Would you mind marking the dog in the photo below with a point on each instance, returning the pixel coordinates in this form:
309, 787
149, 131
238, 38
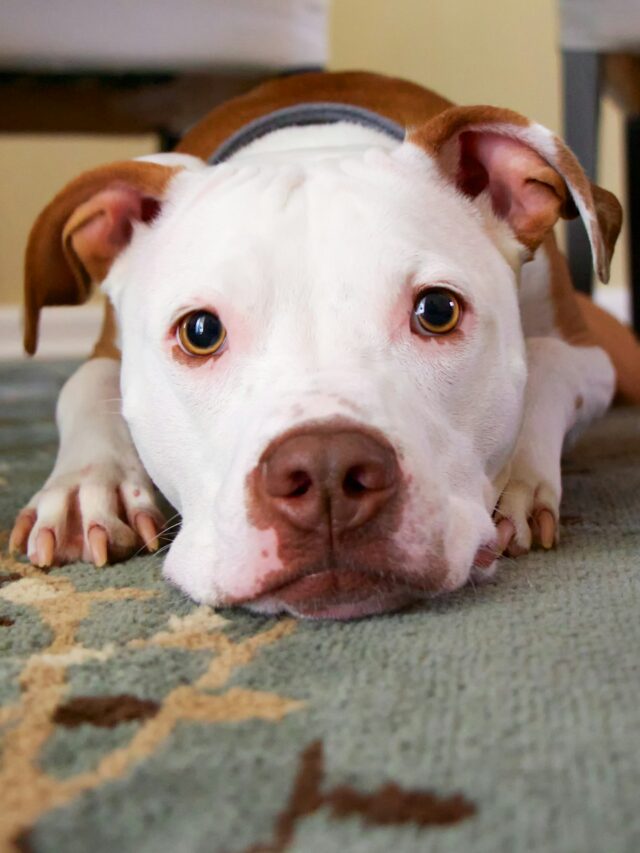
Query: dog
340, 339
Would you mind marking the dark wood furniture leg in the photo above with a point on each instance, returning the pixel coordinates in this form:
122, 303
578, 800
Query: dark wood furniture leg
633, 213
581, 87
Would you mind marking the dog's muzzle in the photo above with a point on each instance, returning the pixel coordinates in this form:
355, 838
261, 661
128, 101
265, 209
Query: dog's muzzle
333, 494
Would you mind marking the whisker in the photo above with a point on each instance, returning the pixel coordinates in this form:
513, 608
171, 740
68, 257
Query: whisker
162, 550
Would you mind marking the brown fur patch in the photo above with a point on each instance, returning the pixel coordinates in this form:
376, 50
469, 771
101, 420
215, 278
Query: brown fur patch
106, 712
451, 124
6, 622
406, 103
583, 323
620, 344
441, 129
609, 215
599, 202
53, 276
9, 578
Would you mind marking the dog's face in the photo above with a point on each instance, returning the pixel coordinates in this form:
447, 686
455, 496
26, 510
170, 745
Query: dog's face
336, 452
323, 365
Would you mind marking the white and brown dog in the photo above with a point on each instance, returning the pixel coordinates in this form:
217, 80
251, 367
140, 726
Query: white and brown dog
347, 348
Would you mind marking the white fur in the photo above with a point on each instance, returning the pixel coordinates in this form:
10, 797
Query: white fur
536, 306
568, 387
311, 247
314, 269
97, 466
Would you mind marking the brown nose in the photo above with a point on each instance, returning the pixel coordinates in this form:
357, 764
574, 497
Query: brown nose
340, 478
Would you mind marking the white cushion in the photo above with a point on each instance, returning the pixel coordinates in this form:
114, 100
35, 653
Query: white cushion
600, 25
158, 35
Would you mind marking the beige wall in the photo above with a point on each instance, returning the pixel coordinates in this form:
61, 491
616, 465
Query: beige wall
496, 51
501, 52
32, 170
472, 51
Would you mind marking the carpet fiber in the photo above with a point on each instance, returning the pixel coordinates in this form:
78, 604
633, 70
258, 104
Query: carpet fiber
504, 718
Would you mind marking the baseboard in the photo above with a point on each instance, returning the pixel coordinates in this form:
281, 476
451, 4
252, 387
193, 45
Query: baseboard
66, 332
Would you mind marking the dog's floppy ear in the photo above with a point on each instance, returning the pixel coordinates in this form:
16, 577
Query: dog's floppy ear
531, 176
78, 235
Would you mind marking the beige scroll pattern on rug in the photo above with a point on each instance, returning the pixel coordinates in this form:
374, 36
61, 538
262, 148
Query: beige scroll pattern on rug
27, 791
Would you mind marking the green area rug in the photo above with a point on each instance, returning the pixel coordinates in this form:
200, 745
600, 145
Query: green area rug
503, 718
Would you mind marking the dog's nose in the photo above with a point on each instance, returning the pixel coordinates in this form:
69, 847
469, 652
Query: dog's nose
340, 478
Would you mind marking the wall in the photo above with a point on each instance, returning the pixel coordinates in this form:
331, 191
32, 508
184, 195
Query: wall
502, 52
497, 51
32, 170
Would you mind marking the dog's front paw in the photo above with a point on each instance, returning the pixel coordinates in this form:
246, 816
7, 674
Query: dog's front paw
99, 514
527, 513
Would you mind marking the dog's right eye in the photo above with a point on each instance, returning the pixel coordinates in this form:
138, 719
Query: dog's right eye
201, 333
437, 311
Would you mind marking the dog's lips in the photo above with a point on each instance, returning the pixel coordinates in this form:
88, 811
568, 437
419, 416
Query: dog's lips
339, 594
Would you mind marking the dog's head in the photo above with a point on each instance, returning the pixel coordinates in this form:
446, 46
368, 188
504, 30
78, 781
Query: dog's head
323, 364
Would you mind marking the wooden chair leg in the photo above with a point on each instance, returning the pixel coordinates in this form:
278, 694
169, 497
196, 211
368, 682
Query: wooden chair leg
633, 213
581, 85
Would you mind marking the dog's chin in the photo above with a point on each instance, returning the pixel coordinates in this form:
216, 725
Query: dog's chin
336, 594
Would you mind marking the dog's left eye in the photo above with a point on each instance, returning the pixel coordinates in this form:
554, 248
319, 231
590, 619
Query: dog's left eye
437, 311
201, 333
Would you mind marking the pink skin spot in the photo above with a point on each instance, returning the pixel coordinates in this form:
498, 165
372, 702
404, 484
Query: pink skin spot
136, 493
264, 553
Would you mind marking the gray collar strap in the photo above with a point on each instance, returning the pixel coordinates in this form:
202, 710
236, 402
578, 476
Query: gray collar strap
299, 116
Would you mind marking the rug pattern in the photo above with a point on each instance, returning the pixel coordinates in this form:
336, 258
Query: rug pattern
504, 718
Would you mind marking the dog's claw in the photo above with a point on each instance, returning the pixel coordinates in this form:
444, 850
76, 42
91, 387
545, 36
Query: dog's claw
515, 550
45, 548
20, 533
505, 530
546, 528
98, 545
146, 527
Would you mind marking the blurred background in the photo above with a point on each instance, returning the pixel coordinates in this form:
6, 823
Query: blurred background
503, 52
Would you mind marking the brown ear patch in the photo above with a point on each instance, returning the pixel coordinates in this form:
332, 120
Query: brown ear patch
441, 129
53, 274
609, 216
533, 181
524, 189
99, 229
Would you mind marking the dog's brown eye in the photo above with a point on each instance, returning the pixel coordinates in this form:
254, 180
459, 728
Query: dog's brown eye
201, 333
437, 311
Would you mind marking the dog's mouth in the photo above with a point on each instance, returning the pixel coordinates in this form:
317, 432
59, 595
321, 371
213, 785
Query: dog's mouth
336, 593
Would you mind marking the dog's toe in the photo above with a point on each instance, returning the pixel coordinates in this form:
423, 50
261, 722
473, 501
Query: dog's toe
527, 517
86, 516
21, 530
